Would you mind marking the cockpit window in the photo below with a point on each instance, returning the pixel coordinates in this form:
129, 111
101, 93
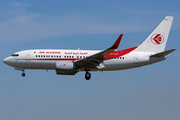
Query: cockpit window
15, 55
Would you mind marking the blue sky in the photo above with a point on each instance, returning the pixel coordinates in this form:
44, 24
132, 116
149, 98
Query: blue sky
150, 92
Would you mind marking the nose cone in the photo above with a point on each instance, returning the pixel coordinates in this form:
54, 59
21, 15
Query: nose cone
5, 61
8, 61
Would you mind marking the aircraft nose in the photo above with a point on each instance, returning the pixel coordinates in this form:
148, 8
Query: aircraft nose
9, 61
6, 61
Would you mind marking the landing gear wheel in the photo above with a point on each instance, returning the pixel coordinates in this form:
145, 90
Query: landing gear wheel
87, 76
23, 74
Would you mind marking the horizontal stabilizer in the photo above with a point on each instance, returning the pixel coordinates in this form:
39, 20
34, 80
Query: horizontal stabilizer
163, 53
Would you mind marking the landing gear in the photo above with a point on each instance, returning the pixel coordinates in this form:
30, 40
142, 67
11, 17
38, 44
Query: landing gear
23, 74
87, 75
21, 69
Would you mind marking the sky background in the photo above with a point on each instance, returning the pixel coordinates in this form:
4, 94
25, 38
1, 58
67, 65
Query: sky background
148, 93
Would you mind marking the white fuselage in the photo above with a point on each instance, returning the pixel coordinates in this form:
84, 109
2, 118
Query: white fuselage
47, 58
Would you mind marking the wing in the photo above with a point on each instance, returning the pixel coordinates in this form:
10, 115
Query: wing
94, 60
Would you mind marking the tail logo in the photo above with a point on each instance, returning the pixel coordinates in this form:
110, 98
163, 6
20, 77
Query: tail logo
157, 39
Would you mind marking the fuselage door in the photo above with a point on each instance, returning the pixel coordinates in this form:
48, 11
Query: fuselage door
28, 56
135, 58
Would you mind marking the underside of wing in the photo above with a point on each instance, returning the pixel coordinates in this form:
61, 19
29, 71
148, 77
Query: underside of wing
95, 60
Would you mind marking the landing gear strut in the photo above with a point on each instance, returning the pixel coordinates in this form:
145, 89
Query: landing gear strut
87, 75
21, 69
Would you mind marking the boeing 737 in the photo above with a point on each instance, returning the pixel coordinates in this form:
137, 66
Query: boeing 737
70, 62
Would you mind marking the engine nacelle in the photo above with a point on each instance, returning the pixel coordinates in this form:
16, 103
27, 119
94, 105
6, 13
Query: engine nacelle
65, 68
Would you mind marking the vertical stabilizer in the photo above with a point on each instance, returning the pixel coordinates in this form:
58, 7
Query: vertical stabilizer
156, 41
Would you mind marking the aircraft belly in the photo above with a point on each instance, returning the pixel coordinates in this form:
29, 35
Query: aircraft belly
23, 64
43, 64
118, 64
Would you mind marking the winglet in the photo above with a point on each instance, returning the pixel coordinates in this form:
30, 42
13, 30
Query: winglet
116, 44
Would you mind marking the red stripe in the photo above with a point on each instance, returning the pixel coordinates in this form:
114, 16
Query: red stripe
54, 59
120, 53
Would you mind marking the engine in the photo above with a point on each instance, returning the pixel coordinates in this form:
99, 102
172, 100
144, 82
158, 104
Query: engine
65, 68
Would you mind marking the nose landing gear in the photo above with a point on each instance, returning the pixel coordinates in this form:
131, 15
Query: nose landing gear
23, 74
21, 69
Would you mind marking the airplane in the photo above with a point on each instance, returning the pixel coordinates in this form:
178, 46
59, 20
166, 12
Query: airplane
70, 62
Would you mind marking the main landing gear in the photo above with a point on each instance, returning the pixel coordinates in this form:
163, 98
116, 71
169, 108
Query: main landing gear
87, 75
